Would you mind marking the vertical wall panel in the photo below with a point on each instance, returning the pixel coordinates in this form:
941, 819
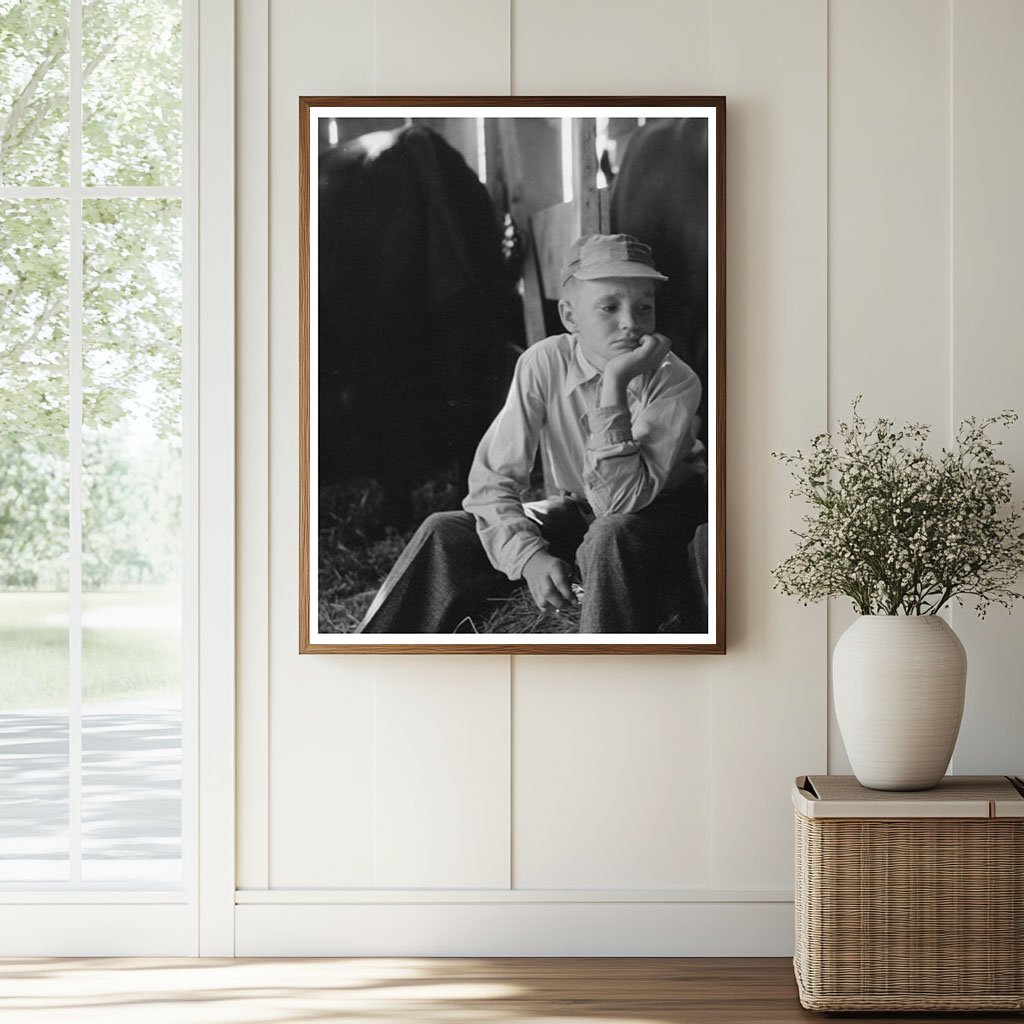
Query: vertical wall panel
603, 48
327, 825
611, 755
612, 783
321, 708
769, 692
322, 761
889, 208
442, 773
441, 48
889, 324
988, 328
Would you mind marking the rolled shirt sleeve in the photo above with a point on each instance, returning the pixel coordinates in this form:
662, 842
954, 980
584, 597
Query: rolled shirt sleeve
630, 457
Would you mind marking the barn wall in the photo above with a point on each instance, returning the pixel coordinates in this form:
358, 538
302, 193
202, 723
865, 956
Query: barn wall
571, 805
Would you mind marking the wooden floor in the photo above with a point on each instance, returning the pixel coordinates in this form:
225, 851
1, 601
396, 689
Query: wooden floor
381, 991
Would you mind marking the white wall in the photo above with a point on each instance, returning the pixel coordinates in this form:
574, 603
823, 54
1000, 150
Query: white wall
616, 805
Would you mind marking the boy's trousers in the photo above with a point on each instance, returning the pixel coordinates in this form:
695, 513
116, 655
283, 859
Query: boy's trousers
634, 568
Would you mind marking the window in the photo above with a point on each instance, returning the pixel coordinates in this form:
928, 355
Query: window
95, 456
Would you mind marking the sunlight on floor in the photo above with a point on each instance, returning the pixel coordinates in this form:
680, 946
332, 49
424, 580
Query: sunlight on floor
220, 991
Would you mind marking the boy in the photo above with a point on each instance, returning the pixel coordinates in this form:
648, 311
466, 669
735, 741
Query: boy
613, 412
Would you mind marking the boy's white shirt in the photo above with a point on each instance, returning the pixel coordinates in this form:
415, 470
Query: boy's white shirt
615, 458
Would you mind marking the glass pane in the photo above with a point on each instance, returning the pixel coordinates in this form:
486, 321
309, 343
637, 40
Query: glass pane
131, 541
131, 745
131, 92
33, 92
33, 540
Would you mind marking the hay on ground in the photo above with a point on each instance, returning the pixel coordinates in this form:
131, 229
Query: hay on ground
518, 614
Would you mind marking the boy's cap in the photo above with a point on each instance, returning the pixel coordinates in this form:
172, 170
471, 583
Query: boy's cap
597, 256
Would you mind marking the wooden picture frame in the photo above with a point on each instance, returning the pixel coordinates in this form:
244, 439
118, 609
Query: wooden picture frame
401, 360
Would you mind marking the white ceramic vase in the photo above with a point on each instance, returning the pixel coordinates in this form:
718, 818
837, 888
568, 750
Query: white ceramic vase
898, 683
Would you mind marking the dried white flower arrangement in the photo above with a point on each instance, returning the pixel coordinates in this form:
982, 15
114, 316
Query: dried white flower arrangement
900, 530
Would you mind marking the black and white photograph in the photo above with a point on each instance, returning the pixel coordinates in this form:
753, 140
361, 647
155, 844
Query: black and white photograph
512, 375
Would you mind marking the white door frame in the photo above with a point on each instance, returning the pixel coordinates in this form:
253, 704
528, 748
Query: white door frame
198, 920
216, 391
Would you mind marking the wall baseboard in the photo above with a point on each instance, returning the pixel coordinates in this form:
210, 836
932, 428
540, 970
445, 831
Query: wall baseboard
331, 897
494, 928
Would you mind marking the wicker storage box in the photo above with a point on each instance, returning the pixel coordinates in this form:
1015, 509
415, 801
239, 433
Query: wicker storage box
910, 901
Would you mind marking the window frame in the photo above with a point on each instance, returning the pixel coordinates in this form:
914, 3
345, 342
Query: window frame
75, 918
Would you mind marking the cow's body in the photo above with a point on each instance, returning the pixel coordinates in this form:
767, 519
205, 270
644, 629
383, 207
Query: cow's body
411, 333
660, 195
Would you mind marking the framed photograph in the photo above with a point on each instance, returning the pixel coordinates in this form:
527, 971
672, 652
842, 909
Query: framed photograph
512, 373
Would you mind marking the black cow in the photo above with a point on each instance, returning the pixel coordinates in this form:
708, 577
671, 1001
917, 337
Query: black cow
660, 195
411, 304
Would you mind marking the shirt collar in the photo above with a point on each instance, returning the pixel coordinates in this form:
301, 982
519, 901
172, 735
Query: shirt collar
579, 370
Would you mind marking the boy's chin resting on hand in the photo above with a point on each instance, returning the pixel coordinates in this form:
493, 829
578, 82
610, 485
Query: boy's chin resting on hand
550, 581
649, 354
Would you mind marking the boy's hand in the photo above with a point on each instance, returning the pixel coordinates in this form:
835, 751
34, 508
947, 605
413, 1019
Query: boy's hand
550, 581
618, 372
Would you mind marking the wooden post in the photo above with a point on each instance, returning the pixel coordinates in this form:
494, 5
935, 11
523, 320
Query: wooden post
527, 192
584, 176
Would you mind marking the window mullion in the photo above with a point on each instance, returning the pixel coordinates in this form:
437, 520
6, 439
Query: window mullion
75, 302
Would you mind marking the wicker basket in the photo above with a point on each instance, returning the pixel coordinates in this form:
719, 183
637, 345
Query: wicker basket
910, 901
